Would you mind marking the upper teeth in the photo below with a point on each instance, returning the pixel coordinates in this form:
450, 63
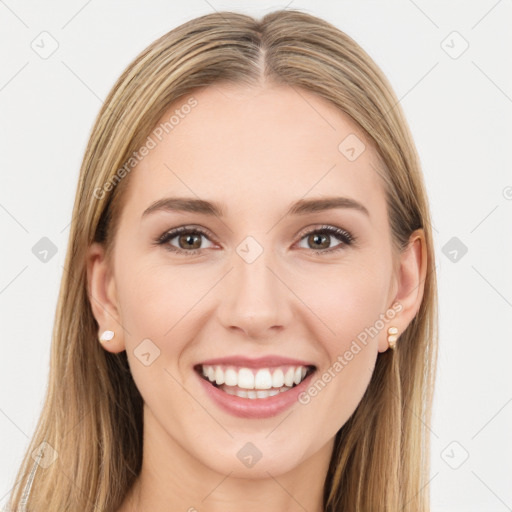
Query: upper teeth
263, 378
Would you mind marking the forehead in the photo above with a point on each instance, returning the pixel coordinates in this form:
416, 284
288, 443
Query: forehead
240, 145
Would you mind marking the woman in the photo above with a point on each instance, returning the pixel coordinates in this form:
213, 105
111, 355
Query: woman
248, 314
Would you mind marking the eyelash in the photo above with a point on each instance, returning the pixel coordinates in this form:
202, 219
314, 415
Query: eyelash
346, 237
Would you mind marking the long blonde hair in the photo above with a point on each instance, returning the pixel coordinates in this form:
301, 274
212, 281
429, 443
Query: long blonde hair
92, 413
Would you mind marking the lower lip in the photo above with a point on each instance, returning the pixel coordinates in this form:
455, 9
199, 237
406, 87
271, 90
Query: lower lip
255, 407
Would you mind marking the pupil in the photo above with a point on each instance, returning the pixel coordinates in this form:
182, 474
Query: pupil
188, 241
316, 238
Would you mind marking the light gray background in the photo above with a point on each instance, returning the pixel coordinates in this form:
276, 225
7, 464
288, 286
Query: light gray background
459, 110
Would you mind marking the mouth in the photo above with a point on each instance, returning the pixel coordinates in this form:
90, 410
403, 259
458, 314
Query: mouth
254, 383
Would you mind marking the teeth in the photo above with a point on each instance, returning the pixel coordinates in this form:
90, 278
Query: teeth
251, 379
245, 378
219, 376
260, 393
230, 377
263, 379
278, 378
288, 378
264, 393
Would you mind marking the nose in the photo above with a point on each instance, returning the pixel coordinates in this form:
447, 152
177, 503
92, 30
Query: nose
255, 299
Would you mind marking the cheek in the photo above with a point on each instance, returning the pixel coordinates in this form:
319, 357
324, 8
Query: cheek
347, 304
154, 298
346, 299
156, 303
163, 304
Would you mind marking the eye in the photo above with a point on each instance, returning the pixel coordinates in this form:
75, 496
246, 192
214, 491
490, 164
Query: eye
188, 240
322, 237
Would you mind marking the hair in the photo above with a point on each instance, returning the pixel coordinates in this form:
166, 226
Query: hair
92, 412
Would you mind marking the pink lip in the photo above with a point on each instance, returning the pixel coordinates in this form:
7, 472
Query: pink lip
258, 407
260, 362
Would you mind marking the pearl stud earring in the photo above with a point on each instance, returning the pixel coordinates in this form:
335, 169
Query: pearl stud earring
106, 336
392, 337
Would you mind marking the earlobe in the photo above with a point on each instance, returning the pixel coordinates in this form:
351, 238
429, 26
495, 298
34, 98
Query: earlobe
101, 291
411, 282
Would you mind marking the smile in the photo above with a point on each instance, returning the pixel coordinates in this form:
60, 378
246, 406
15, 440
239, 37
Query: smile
254, 383
254, 388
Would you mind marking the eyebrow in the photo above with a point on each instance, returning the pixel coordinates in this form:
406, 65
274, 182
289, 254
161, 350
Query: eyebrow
300, 207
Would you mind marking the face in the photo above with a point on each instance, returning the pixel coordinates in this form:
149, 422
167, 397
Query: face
252, 280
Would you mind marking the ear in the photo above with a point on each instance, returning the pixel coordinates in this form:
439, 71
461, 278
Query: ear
101, 290
410, 285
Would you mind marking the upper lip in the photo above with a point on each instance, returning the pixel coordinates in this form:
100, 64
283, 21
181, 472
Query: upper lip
259, 362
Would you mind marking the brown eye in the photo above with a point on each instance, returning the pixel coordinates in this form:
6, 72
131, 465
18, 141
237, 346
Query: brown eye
319, 240
189, 240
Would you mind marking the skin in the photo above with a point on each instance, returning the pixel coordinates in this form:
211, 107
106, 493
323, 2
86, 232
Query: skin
254, 150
